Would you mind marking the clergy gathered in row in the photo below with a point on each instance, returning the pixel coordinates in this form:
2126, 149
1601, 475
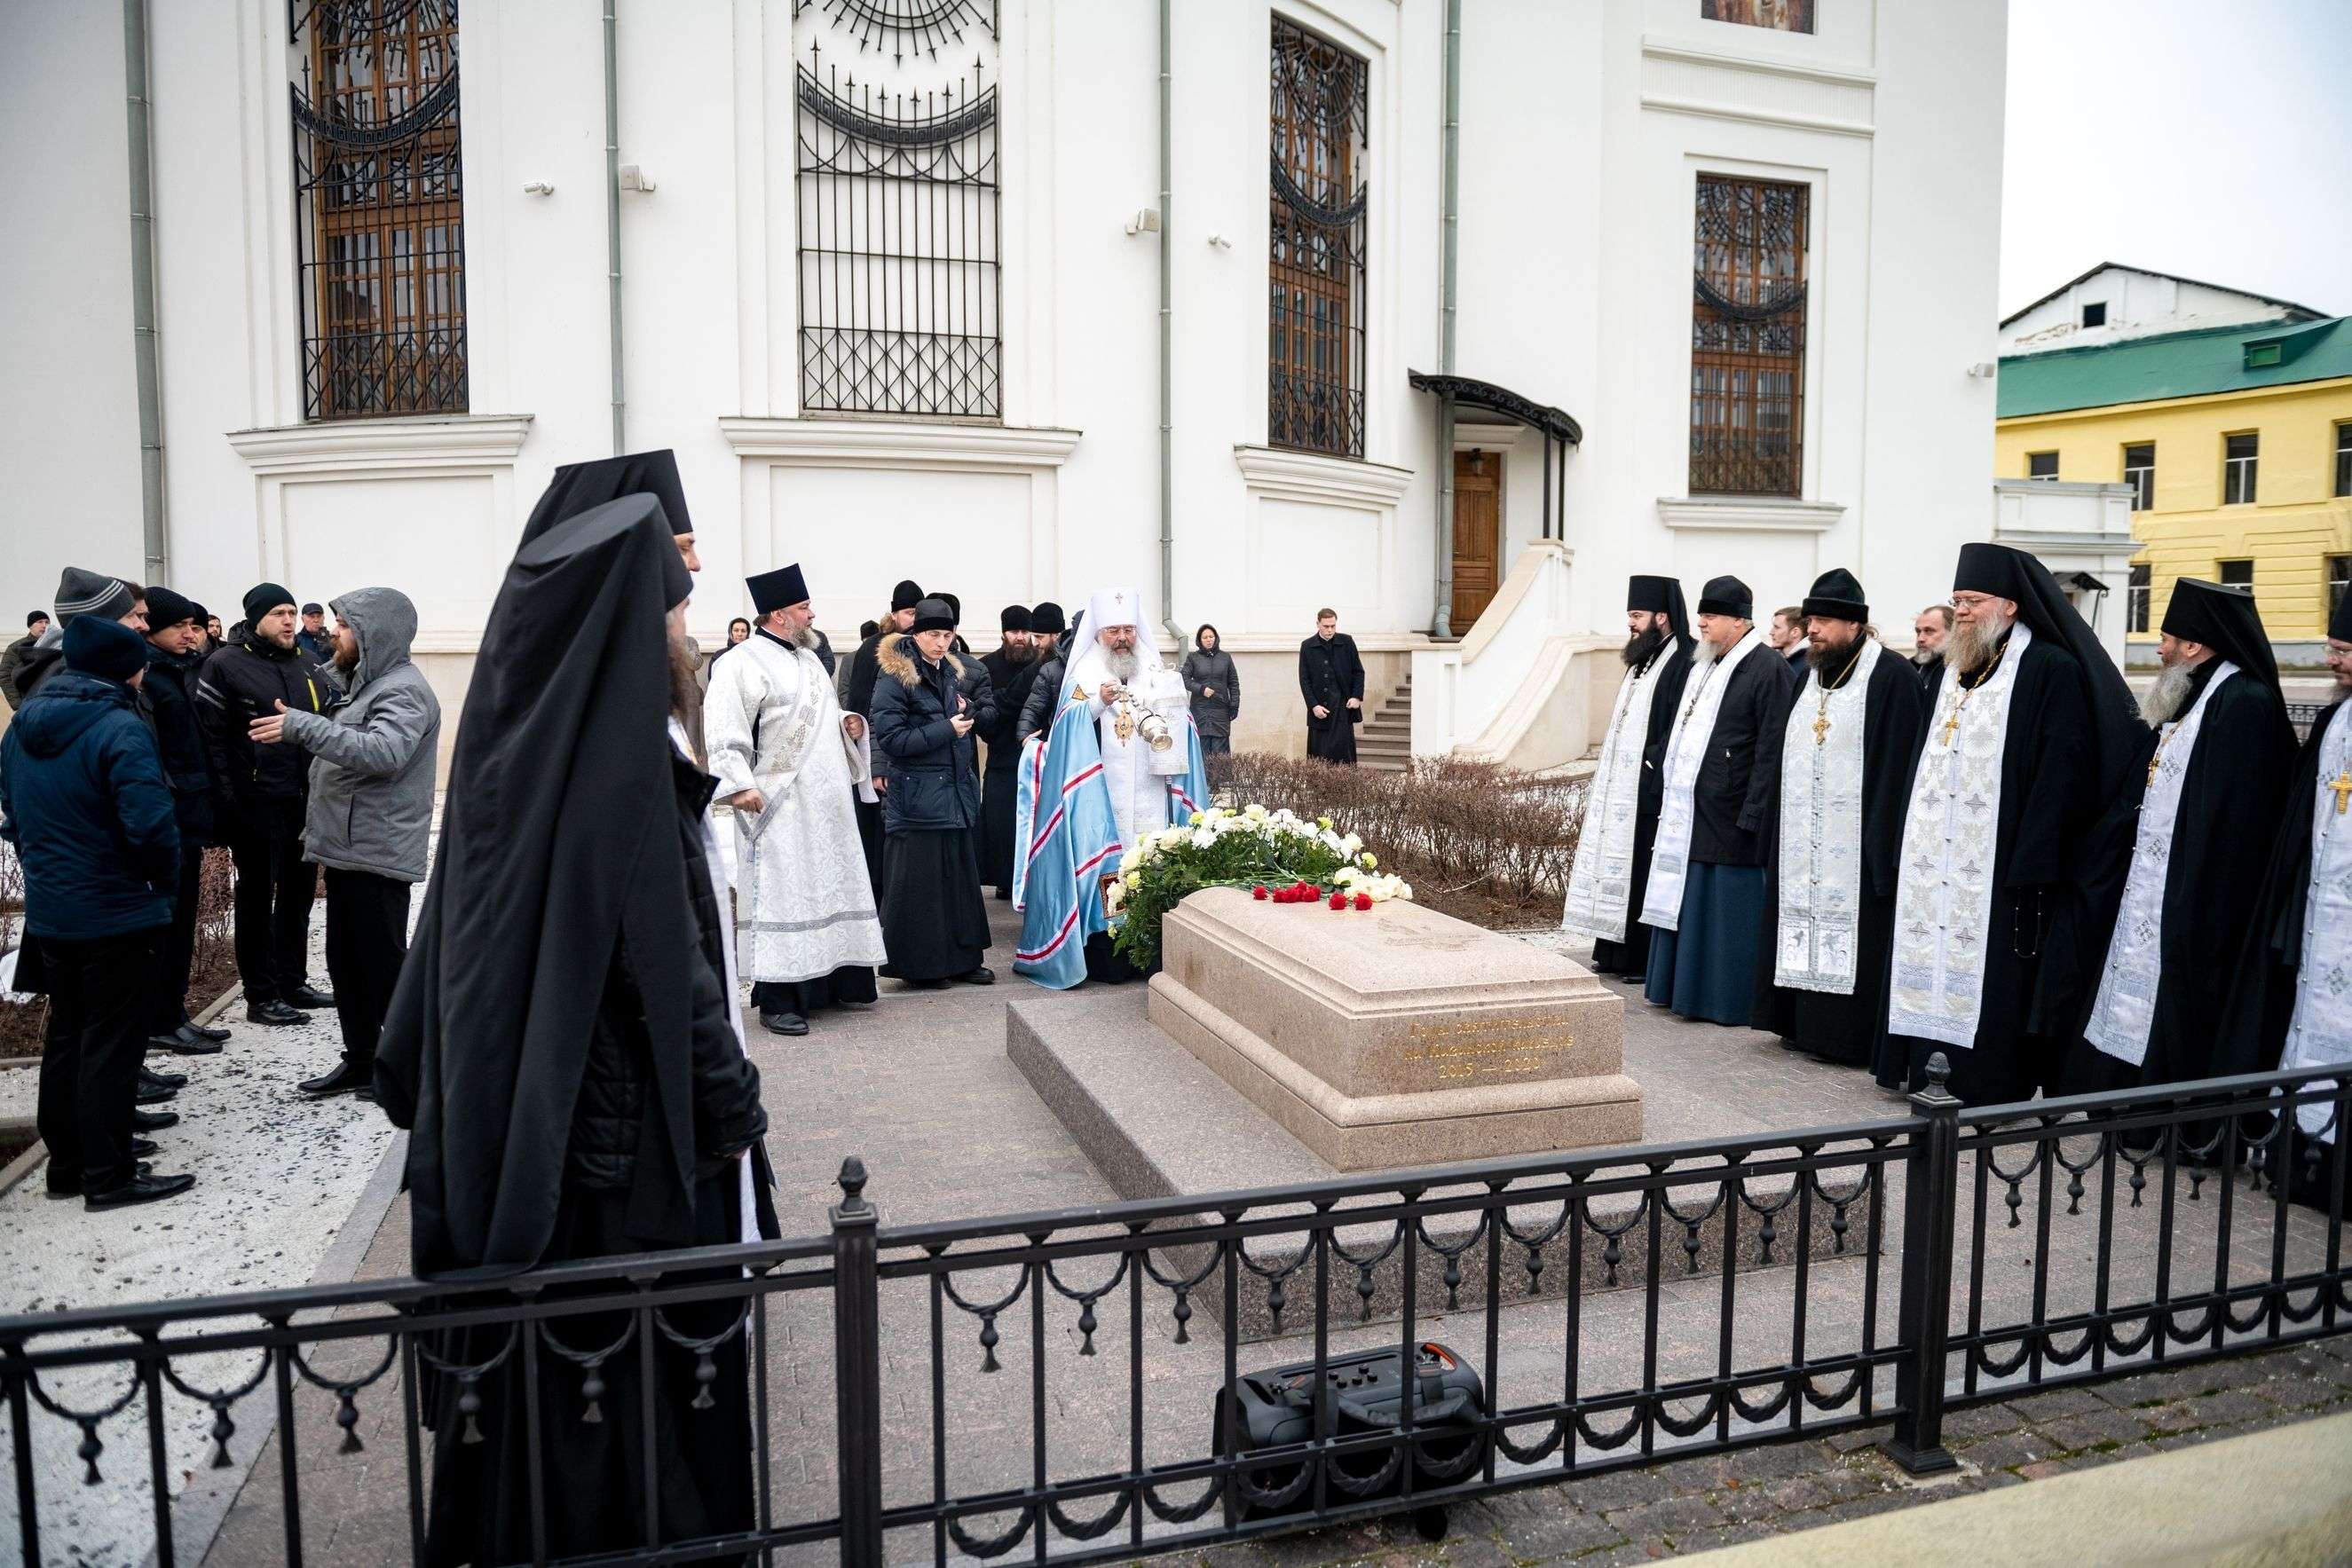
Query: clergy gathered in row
2002, 856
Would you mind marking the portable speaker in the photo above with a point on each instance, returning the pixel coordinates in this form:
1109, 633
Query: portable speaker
1366, 1393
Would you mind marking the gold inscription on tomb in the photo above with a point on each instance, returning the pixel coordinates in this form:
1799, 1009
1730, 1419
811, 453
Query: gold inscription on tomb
1501, 1048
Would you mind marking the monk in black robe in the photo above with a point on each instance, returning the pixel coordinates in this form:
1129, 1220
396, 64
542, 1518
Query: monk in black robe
2286, 1009
2210, 800
857, 697
1331, 679
1659, 641
1012, 671
1822, 965
563, 1049
2016, 833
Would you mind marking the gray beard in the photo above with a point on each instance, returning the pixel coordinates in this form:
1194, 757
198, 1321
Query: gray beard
2161, 702
1122, 666
807, 637
1704, 652
1970, 646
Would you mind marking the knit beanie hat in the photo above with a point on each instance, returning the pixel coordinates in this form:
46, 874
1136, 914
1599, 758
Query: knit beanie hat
260, 600
104, 648
165, 608
905, 596
81, 593
933, 615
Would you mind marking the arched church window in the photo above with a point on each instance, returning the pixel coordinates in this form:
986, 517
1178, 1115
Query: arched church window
380, 231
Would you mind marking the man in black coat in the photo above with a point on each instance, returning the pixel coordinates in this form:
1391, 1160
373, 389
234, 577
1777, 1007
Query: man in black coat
857, 697
1331, 679
34, 624
1705, 901
261, 794
1834, 834
1055, 637
173, 631
1012, 671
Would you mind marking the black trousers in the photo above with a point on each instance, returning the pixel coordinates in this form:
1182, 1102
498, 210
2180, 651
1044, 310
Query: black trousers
367, 939
175, 948
274, 888
89, 1059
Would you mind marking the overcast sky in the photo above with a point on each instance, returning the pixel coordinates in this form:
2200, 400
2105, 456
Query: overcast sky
2207, 138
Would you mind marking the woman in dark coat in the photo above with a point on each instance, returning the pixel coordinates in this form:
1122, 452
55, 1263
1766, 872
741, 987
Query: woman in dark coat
934, 915
1216, 689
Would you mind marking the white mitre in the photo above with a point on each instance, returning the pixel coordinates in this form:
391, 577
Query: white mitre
1154, 680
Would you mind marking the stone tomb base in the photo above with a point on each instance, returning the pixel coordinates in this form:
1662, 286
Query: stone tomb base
1395, 1036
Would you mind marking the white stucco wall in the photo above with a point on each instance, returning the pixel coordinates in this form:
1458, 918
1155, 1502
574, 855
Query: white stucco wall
1583, 129
2139, 304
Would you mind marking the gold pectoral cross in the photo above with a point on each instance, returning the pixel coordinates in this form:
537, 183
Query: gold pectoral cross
1123, 723
1822, 727
1951, 727
2341, 788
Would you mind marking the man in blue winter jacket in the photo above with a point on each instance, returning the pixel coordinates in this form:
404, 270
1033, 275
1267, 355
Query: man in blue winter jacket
82, 798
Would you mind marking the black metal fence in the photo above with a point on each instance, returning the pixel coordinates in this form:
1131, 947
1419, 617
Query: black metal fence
1044, 1384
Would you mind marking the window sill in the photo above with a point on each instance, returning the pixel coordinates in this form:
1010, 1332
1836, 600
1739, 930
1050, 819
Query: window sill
1314, 476
1748, 514
835, 442
424, 441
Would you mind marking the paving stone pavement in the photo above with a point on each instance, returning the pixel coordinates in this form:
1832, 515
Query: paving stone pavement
920, 1088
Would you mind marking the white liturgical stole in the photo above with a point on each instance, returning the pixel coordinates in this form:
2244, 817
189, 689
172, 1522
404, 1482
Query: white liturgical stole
1662, 904
1951, 832
2126, 1010
1601, 881
2320, 1034
1821, 761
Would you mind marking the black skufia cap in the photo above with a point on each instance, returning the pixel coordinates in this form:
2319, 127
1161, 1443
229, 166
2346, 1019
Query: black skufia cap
773, 590
907, 595
1047, 617
1014, 618
933, 615
1837, 595
1726, 596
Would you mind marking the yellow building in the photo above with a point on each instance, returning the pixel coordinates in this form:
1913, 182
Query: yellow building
2238, 444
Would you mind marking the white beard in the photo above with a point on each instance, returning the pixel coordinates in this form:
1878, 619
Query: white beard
2161, 702
1970, 646
1122, 665
807, 637
1704, 652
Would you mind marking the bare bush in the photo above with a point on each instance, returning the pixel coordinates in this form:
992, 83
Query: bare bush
1485, 843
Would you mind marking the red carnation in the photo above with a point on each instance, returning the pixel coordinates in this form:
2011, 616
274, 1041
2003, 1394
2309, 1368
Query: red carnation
1258, 891
1338, 901
1364, 901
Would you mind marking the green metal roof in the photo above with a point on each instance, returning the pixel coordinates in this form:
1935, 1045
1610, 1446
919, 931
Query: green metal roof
2176, 364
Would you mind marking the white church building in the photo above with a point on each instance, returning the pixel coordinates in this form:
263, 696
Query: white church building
1446, 314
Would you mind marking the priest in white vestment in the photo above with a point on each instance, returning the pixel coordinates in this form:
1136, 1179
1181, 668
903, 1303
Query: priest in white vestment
1612, 870
790, 763
2288, 1011
1705, 903
1836, 829
1121, 761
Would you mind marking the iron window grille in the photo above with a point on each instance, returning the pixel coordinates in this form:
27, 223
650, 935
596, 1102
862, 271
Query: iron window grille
2139, 473
2136, 592
2041, 465
902, 282
2239, 456
380, 233
1315, 245
1748, 338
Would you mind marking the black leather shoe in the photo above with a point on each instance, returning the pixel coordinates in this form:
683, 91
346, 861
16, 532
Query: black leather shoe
201, 1030
152, 1093
141, 1146
143, 1188
348, 1078
154, 1121
148, 1078
72, 1185
983, 976
784, 1023
310, 996
183, 1042
274, 1012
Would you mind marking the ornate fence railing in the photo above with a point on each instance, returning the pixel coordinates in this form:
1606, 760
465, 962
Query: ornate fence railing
1045, 1383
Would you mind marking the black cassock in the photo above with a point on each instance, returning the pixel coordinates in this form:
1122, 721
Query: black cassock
857, 697
2221, 837
1632, 956
999, 794
2034, 972
2261, 1005
1329, 673
1847, 1029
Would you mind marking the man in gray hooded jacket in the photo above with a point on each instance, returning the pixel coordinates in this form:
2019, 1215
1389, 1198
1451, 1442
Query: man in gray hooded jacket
374, 755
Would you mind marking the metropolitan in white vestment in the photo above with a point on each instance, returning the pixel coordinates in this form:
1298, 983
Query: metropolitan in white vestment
791, 762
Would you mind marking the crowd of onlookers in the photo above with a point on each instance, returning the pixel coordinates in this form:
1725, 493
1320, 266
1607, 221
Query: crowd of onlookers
143, 734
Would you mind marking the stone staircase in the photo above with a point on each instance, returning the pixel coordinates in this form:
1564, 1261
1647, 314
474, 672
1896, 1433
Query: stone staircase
1384, 741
